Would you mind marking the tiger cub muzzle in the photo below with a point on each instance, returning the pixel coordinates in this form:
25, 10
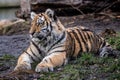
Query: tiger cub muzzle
38, 35
41, 36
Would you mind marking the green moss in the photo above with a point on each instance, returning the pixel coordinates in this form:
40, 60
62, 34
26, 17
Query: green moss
7, 57
114, 41
85, 67
114, 76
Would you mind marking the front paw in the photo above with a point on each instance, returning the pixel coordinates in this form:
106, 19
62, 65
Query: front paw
41, 67
23, 66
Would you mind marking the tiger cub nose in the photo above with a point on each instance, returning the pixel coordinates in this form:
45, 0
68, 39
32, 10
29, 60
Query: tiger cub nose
40, 37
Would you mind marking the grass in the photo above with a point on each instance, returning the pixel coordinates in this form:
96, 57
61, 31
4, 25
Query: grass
6, 61
114, 41
87, 67
7, 57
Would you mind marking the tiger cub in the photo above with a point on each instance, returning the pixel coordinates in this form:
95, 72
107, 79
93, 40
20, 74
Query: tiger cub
53, 45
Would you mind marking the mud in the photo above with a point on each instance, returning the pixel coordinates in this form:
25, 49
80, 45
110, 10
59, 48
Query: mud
14, 44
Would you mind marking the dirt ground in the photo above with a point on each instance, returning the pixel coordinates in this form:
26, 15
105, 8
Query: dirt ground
15, 40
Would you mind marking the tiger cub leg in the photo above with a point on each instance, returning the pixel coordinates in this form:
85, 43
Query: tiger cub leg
51, 61
23, 62
106, 51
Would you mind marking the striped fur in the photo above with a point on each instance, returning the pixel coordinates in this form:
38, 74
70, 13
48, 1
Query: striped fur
53, 45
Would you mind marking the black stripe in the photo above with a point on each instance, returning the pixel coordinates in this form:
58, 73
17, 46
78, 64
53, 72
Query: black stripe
34, 54
58, 51
97, 42
63, 63
57, 46
69, 52
77, 38
61, 38
41, 14
46, 61
51, 26
82, 40
49, 33
30, 56
92, 42
42, 55
46, 43
86, 30
73, 44
100, 41
104, 43
47, 24
84, 36
51, 60
89, 37
49, 69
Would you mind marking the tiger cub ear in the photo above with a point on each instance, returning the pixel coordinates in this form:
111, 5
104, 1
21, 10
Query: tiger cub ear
32, 15
51, 14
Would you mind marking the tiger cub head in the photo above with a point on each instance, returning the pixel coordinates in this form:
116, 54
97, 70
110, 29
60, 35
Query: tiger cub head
45, 25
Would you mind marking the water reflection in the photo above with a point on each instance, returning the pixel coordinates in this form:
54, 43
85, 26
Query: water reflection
8, 13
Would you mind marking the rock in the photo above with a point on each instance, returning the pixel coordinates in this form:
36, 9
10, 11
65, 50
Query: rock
4, 22
7, 25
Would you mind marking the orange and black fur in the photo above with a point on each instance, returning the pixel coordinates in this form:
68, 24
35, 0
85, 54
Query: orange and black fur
53, 45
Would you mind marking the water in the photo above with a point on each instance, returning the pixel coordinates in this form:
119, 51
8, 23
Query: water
8, 13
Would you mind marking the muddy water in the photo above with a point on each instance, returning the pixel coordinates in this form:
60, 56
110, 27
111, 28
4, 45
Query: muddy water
14, 45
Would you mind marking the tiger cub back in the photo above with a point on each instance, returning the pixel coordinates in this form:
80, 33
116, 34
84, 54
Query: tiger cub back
83, 40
